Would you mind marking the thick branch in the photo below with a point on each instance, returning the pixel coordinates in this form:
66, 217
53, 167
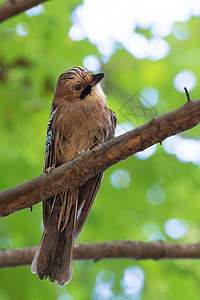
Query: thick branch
79, 170
11, 8
120, 249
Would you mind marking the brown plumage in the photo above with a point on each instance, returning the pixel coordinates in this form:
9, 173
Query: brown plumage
79, 120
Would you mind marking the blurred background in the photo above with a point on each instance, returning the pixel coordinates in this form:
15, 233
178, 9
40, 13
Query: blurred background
149, 50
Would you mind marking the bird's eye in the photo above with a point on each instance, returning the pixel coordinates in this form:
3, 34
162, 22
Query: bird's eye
77, 87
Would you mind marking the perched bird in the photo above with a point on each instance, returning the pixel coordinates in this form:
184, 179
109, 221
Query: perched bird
79, 120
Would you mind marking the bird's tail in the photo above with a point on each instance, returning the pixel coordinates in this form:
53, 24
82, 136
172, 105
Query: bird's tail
54, 255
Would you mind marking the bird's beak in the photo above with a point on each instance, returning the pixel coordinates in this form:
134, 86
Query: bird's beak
97, 77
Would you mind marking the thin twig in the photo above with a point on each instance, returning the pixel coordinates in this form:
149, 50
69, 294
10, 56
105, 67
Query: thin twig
187, 94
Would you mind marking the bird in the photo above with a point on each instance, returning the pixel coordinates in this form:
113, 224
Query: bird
79, 120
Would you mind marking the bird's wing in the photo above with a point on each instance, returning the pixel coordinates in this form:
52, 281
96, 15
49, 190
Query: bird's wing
89, 190
53, 257
113, 120
87, 195
48, 160
49, 146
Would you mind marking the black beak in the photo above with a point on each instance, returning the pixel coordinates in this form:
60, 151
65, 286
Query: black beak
97, 78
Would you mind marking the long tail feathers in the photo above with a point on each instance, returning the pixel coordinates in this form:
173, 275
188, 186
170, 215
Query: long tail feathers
54, 255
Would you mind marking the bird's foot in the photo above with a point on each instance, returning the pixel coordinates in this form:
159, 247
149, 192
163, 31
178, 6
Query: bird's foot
49, 170
82, 152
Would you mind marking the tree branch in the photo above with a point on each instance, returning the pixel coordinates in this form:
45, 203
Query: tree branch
11, 8
119, 249
80, 169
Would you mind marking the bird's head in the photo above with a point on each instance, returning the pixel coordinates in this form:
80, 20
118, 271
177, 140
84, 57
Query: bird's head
77, 84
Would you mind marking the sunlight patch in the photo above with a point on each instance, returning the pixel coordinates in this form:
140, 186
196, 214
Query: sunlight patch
103, 288
120, 179
65, 297
133, 281
186, 150
150, 228
185, 78
107, 30
176, 228
158, 49
157, 236
155, 195
151, 96
92, 63
123, 128
145, 154
22, 29
6, 243
181, 31
35, 11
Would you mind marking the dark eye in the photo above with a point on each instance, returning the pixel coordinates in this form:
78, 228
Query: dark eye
77, 87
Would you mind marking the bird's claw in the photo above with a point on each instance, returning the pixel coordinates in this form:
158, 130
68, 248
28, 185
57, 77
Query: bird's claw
49, 170
82, 152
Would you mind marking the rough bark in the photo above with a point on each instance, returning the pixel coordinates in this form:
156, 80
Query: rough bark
77, 171
118, 249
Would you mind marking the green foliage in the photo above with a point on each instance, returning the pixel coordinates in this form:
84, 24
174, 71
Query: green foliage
29, 67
